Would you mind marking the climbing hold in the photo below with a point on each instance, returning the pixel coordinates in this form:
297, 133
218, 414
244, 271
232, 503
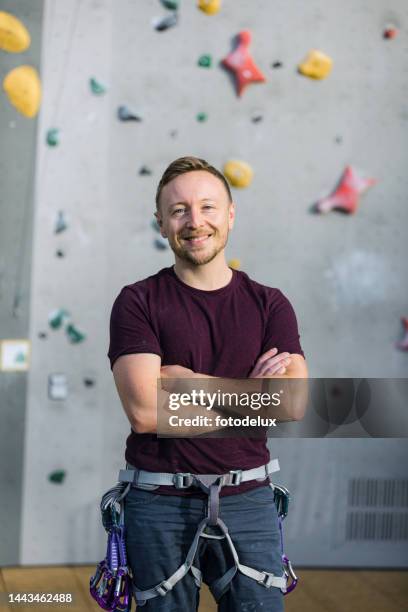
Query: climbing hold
160, 244
165, 23
235, 264
97, 87
57, 477
241, 63
57, 318
89, 382
74, 335
57, 387
201, 117
276, 65
53, 137
346, 195
42, 335
210, 7
238, 173
205, 61
257, 117
390, 31
61, 223
23, 88
14, 36
60, 253
317, 65
173, 133
125, 114
172, 5
403, 344
145, 171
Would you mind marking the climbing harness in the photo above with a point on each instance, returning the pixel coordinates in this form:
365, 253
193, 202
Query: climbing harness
112, 573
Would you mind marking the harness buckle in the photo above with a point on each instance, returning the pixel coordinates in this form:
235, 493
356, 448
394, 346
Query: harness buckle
163, 588
236, 477
266, 581
183, 480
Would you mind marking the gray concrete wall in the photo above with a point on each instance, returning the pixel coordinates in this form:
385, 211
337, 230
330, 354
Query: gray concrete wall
17, 168
344, 275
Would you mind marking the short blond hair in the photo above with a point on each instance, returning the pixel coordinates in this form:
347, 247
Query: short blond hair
182, 165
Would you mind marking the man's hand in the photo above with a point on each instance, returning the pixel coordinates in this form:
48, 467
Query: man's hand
270, 363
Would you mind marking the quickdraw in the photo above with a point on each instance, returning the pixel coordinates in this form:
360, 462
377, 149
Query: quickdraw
111, 585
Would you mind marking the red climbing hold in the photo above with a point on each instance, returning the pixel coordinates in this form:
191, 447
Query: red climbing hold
403, 344
346, 196
242, 64
390, 31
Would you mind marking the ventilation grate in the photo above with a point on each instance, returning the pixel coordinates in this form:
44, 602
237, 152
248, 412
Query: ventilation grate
377, 526
378, 492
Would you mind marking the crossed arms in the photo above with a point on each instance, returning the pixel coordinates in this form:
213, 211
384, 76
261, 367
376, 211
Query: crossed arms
136, 377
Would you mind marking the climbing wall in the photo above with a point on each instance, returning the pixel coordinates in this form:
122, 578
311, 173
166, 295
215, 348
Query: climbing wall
304, 107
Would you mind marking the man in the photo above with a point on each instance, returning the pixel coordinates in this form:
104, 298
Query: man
199, 318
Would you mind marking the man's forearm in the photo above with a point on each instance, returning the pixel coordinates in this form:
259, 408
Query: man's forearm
194, 420
283, 397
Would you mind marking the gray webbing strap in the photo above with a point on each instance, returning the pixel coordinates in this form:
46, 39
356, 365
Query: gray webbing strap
151, 480
166, 585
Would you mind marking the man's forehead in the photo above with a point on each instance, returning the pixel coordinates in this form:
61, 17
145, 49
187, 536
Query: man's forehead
194, 185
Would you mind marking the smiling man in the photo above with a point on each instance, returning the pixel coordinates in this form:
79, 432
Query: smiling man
199, 319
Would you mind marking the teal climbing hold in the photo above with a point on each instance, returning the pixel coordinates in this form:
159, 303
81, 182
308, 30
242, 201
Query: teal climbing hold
172, 5
205, 61
97, 87
58, 476
53, 137
74, 335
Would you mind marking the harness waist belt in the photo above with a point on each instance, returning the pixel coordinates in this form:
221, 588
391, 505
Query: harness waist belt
183, 480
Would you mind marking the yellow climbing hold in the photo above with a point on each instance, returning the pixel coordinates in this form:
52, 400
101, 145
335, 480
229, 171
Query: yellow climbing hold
238, 173
209, 6
317, 65
23, 88
14, 36
235, 264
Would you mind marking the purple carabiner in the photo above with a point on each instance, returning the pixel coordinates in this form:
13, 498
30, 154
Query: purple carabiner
289, 573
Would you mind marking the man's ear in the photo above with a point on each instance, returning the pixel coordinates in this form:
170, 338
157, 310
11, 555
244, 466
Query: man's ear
231, 215
160, 224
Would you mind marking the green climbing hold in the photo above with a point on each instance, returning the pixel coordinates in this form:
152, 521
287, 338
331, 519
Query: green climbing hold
56, 318
201, 117
97, 87
205, 61
58, 476
172, 5
53, 137
74, 335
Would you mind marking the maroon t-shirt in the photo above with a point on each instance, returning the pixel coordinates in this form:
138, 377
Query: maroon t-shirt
219, 333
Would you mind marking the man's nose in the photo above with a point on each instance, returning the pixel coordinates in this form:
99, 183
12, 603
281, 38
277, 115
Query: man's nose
195, 218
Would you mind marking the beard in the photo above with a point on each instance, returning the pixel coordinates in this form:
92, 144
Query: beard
199, 257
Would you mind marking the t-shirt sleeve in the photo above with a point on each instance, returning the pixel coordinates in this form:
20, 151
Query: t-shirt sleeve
282, 328
131, 330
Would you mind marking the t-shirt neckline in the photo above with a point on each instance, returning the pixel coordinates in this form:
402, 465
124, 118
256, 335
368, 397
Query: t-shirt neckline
226, 289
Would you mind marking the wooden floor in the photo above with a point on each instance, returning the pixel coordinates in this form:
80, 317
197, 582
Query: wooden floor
317, 591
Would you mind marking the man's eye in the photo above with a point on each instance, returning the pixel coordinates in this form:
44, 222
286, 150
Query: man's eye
177, 210
208, 206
